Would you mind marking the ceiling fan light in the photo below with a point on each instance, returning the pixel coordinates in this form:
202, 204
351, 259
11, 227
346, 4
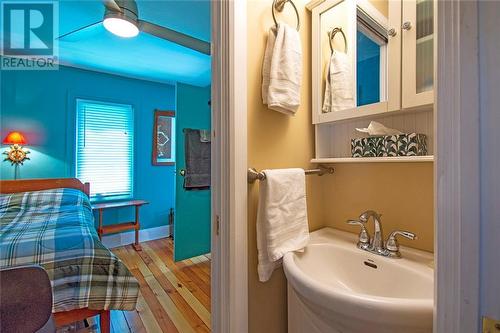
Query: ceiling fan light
121, 27
123, 20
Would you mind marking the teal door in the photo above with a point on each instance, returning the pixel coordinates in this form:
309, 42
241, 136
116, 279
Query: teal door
192, 207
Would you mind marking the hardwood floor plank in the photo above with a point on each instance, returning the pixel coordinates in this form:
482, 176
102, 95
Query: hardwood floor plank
181, 295
147, 316
172, 312
194, 261
153, 303
198, 277
122, 253
191, 267
195, 285
202, 263
188, 268
174, 296
196, 267
134, 322
180, 303
134, 317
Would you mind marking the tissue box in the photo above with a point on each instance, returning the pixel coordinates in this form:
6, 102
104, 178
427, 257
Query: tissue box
411, 144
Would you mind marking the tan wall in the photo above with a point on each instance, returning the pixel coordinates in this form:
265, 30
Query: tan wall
274, 141
382, 6
402, 192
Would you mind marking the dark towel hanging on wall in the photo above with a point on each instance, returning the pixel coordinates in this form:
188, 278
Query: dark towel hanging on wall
197, 150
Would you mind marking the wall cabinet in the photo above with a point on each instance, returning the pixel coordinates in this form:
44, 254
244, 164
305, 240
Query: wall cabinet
404, 32
407, 56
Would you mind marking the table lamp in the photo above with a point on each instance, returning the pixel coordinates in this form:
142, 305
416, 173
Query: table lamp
16, 154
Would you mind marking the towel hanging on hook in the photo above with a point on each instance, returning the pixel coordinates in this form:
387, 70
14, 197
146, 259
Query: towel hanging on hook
331, 36
338, 87
279, 5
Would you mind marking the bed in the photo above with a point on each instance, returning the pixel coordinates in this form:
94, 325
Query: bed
50, 223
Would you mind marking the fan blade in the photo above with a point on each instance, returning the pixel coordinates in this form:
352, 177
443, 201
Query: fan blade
111, 5
175, 37
79, 29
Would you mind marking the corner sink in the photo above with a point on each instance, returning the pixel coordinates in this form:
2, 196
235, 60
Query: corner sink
335, 287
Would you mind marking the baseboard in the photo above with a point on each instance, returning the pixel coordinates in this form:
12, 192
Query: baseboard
125, 238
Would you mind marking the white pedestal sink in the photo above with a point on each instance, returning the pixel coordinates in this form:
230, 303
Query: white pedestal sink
335, 287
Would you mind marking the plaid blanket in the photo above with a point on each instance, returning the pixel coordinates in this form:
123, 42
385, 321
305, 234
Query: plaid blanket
55, 229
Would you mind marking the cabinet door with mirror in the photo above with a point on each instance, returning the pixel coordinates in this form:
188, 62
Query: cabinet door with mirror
358, 66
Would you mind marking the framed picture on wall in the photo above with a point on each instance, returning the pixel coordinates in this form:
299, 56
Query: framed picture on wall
164, 138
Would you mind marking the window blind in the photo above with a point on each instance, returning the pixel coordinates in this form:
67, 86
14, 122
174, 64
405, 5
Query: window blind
104, 148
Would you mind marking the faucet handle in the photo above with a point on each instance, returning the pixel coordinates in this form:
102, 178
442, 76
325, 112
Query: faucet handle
364, 238
392, 244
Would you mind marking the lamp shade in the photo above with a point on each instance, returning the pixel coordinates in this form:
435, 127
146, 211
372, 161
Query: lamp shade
14, 138
123, 23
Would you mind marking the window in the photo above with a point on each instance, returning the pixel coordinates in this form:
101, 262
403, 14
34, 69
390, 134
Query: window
104, 148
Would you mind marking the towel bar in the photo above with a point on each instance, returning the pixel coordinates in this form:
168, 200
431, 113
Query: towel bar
254, 175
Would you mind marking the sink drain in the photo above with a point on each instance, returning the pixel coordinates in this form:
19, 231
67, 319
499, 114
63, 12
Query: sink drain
370, 263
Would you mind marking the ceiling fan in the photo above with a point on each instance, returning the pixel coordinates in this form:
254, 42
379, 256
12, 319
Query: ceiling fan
121, 18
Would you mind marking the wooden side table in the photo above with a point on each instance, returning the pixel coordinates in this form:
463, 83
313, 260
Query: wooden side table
122, 226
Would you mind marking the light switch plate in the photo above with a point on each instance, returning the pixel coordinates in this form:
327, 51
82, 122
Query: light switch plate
491, 325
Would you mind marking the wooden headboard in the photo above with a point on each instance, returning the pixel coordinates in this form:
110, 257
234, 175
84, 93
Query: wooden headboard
27, 185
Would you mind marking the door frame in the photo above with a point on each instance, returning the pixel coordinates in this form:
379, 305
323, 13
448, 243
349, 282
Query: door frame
229, 163
457, 168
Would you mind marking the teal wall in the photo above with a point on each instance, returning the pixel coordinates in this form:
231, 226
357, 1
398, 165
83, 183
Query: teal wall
41, 105
192, 222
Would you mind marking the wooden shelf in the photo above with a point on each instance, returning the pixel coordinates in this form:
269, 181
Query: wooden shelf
399, 159
118, 204
119, 227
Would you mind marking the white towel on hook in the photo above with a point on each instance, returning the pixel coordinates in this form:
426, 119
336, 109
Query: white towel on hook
266, 65
282, 224
338, 85
282, 70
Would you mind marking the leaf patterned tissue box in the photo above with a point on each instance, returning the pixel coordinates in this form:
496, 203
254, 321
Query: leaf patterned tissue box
411, 144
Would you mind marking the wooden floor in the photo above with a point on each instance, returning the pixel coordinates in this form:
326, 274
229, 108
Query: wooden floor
175, 297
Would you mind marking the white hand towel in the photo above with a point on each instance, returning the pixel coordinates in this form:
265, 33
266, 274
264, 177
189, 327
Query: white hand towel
281, 218
327, 100
266, 66
338, 87
282, 70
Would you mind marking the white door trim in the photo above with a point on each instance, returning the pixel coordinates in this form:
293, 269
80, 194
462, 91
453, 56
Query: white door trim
457, 169
229, 164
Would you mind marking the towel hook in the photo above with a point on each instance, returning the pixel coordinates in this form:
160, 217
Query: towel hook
279, 5
331, 36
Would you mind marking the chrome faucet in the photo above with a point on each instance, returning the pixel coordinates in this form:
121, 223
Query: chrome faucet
376, 244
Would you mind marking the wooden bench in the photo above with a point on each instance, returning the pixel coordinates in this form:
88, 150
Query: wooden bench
122, 226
